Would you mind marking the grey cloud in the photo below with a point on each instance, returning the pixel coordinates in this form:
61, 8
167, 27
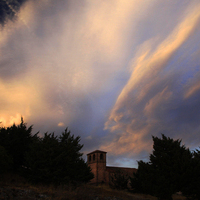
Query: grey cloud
153, 101
9, 9
74, 59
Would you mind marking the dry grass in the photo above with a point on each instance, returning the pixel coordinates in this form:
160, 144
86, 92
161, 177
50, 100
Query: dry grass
90, 192
68, 192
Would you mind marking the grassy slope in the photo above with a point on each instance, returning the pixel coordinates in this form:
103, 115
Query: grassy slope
13, 185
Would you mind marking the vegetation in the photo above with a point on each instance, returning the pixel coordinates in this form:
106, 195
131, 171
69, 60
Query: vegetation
172, 168
119, 180
17, 187
5, 160
191, 189
49, 159
16, 141
56, 161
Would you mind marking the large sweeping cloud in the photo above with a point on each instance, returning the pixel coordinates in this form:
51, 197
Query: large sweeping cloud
115, 72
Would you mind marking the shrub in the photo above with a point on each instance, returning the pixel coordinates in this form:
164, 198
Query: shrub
119, 180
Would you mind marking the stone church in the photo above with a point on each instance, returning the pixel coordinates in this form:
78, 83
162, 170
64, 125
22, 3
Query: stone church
102, 173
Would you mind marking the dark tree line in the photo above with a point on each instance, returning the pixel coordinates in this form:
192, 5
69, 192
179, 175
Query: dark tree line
119, 180
172, 168
48, 159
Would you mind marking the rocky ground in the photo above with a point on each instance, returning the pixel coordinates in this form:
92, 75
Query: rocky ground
11, 193
13, 187
22, 194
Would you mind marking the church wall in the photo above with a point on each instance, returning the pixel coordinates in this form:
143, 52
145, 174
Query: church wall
102, 173
97, 162
93, 167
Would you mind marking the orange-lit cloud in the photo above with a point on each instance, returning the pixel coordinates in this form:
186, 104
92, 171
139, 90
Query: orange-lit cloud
10, 120
50, 57
130, 107
192, 90
115, 72
61, 124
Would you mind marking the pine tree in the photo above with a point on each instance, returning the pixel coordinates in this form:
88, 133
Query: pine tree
16, 140
5, 160
57, 160
119, 180
166, 172
191, 189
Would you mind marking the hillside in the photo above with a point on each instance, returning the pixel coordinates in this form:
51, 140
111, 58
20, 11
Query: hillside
15, 187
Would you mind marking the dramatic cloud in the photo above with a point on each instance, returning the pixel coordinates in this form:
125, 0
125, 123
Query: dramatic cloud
9, 9
115, 72
150, 103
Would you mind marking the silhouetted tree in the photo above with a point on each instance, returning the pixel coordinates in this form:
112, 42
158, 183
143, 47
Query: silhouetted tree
166, 173
5, 160
57, 160
16, 140
74, 166
119, 180
48, 159
191, 189
142, 179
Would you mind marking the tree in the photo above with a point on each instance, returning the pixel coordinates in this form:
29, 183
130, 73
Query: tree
141, 181
40, 160
119, 180
70, 159
5, 160
191, 190
57, 160
16, 140
48, 159
166, 173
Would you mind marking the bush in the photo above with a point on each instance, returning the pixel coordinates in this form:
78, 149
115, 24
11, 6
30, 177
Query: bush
5, 160
119, 180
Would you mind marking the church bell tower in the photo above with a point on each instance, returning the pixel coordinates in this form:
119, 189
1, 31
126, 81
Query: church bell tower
97, 162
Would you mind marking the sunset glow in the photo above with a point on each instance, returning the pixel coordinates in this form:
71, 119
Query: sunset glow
114, 72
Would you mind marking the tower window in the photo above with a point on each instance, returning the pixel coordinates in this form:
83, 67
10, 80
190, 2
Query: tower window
101, 156
94, 157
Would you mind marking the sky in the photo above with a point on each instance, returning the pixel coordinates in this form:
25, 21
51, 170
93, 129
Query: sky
115, 72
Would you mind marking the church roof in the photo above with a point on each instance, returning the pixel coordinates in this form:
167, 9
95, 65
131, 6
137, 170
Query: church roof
97, 151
